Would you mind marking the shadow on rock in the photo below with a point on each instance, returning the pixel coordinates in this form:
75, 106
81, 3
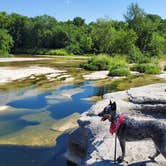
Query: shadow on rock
107, 163
141, 163
148, 163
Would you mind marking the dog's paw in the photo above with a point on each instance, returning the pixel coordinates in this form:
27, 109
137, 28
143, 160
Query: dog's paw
120, 159
151, 158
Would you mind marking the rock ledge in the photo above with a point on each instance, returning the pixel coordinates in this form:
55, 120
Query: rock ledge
92, 144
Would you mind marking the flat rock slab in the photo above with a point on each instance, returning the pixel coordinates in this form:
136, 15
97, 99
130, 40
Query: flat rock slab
96, 75
9, 74
21, 59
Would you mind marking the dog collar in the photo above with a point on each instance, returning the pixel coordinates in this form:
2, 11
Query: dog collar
116, 124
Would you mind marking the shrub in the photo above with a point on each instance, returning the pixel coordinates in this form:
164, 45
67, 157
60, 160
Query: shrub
148, 68
58, 52
118, 67
135, 55
119, 71
100, 62
5, 54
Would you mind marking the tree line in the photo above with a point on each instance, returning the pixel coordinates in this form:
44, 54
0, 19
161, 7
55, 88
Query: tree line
140, 34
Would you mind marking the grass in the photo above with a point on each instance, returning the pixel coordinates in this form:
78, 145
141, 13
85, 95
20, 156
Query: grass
62, 52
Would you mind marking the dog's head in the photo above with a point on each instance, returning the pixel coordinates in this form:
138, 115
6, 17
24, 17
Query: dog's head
109, 112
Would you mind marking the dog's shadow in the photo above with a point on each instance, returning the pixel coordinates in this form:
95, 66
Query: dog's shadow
111, 163
107, 163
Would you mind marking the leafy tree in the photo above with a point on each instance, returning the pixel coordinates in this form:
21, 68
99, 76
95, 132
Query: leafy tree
60, 39
123, 41
162, 28
5, 20
6, 42
102, 35
133, 13
78, 21
17, 29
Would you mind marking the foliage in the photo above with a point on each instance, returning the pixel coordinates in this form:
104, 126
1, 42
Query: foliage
78, 21
58, 52
141, 36
135, 55
119, 71
118, 67
100, 62
148, 68
6, 42
133, 12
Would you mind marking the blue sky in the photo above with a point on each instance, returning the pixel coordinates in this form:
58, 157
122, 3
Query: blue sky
88, 9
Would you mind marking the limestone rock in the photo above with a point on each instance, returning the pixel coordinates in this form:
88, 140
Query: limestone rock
92, 144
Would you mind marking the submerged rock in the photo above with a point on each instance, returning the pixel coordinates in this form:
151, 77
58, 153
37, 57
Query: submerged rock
92, 144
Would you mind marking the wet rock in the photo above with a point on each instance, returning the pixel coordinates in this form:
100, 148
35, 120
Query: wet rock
92, 144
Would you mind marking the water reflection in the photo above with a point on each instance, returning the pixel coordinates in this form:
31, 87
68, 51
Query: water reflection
38, 112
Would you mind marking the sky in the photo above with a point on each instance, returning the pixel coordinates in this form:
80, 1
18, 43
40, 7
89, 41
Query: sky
90, 10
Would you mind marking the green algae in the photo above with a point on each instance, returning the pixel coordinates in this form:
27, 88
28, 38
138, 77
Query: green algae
135, 81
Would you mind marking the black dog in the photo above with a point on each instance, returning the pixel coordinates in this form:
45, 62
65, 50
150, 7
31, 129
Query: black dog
132, 130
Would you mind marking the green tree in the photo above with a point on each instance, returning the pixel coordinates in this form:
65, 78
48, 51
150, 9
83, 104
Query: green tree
103, 35
5, 20
78, 21
134, 17
17, 30
6, 42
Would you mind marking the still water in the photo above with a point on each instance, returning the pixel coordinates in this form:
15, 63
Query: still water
33, 113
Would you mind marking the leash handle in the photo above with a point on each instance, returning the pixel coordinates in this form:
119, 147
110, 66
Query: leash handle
115, 148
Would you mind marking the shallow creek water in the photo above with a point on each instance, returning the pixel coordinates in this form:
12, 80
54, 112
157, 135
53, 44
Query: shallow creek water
30, 119
38, 113
35, 124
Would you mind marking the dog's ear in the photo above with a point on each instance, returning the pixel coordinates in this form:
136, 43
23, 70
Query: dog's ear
113, 106
110, 102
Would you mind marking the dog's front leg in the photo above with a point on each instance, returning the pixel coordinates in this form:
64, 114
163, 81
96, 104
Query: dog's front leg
122, 142
154, 155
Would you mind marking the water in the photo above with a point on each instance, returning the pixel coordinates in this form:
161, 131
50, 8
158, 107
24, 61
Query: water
34, 113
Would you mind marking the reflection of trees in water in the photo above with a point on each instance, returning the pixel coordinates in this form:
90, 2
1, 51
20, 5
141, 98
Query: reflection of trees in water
101, 90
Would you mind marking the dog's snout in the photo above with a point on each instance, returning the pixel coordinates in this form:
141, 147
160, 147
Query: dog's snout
100, 114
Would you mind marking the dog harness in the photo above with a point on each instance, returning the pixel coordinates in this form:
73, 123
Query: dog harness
116, 124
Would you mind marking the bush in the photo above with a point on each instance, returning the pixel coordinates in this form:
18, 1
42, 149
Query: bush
33, 51
148, 68
116, 65
135, 55
5, 54
119, 68
100, 62
58, 52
